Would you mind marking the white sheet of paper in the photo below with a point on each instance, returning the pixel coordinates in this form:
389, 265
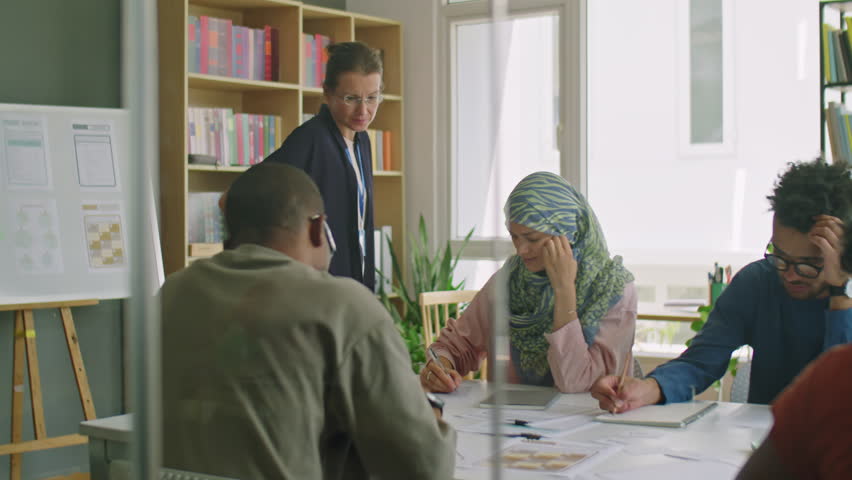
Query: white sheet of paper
105, 235
35, 233
25, 154
93, 148
675, 470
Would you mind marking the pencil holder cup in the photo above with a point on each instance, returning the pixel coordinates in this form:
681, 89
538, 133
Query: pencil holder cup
716, 289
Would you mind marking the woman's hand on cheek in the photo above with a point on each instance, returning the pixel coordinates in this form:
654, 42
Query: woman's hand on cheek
559, 263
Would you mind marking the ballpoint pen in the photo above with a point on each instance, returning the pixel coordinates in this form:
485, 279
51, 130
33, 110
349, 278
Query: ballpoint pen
434, 357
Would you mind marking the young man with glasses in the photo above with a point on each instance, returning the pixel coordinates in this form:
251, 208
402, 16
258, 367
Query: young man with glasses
789, 307
810, 435
272, 368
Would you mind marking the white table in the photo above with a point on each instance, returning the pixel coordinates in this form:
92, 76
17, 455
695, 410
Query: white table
109, 440
726, 433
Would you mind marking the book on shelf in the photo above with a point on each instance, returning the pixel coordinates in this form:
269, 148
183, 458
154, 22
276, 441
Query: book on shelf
383, 258
380, 150
216, 46
233, 138
315, 59
205, 223
839, 132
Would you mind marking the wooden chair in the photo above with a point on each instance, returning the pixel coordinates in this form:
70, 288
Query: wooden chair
435, 310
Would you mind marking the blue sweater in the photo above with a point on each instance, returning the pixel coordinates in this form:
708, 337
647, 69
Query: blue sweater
755, 310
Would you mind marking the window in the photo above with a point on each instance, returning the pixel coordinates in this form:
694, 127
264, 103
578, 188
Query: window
489, 164
705, 77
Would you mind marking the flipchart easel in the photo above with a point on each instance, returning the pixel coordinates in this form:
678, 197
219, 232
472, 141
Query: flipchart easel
25, 345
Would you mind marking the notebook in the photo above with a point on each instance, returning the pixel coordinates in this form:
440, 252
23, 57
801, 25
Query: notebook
533, 399
674, 415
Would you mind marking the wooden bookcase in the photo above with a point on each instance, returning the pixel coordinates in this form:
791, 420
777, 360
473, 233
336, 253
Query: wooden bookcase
180, 89
830, 10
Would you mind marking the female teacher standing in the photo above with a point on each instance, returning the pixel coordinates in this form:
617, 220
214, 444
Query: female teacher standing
334, 149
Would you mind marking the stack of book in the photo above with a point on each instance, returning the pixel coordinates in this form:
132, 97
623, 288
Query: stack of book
205, 222
233, 138
839, 132
837, 53
216, 46
384, 262
316, 56
381, 150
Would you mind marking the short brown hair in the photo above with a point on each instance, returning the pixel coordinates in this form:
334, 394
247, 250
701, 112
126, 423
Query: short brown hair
347, 57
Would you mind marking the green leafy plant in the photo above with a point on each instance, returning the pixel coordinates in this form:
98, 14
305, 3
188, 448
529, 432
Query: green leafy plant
429, 272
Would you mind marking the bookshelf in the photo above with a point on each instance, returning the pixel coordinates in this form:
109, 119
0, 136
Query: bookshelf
181, 89
830, 85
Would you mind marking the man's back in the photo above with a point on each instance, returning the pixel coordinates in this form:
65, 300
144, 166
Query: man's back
272, 369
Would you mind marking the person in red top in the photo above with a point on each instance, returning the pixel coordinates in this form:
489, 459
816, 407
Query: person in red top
811, 436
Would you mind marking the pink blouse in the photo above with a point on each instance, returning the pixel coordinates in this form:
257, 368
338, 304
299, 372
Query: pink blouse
575, 365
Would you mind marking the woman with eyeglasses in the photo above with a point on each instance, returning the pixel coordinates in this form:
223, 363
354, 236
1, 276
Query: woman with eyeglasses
571, 306
334, 149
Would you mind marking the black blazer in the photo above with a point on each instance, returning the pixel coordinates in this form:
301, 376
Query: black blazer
317, 147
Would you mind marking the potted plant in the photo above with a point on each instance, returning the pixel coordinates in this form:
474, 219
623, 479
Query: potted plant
430, 272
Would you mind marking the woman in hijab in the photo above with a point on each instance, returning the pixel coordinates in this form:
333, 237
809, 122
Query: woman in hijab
572, 308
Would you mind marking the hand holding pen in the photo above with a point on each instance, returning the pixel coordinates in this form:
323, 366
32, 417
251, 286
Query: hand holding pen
437, 376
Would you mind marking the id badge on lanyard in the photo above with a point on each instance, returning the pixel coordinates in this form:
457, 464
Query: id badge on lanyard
362, 203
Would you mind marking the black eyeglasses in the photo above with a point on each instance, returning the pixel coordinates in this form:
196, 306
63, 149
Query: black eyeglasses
806, 270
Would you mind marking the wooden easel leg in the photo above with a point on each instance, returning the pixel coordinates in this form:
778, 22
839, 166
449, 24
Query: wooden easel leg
77, 364
35, 377
17, 393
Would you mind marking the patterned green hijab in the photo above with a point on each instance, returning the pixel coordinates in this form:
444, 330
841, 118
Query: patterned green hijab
545, 202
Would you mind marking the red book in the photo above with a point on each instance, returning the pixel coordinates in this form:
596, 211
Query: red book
276, 74
386, 150
319, 63
326, 41
267, 53
205, 43
213, 48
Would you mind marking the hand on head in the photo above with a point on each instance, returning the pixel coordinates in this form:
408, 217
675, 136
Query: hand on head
559, 263
827, 234
433, 378
634, 393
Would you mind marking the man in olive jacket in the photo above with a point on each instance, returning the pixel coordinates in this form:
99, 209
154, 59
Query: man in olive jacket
274, 369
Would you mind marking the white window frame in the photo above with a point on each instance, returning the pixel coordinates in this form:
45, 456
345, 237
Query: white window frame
686, 148
571, 132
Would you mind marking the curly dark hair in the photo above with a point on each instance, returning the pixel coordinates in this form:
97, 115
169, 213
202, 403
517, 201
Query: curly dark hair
846, 259
808, 189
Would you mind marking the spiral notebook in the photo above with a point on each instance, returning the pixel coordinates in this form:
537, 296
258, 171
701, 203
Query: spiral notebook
673, 415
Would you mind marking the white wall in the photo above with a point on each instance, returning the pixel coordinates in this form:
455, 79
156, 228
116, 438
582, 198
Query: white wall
657, 205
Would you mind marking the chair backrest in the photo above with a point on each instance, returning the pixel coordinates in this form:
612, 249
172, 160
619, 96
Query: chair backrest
637, 369
435, 309
739, 388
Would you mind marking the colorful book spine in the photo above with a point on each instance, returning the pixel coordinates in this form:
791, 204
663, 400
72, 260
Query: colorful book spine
386, 150
258, 51
204, 44
379, 147
267, 53
276, 56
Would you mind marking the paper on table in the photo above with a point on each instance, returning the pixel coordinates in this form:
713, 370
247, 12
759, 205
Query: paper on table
559, 458
750, 416
674, 470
